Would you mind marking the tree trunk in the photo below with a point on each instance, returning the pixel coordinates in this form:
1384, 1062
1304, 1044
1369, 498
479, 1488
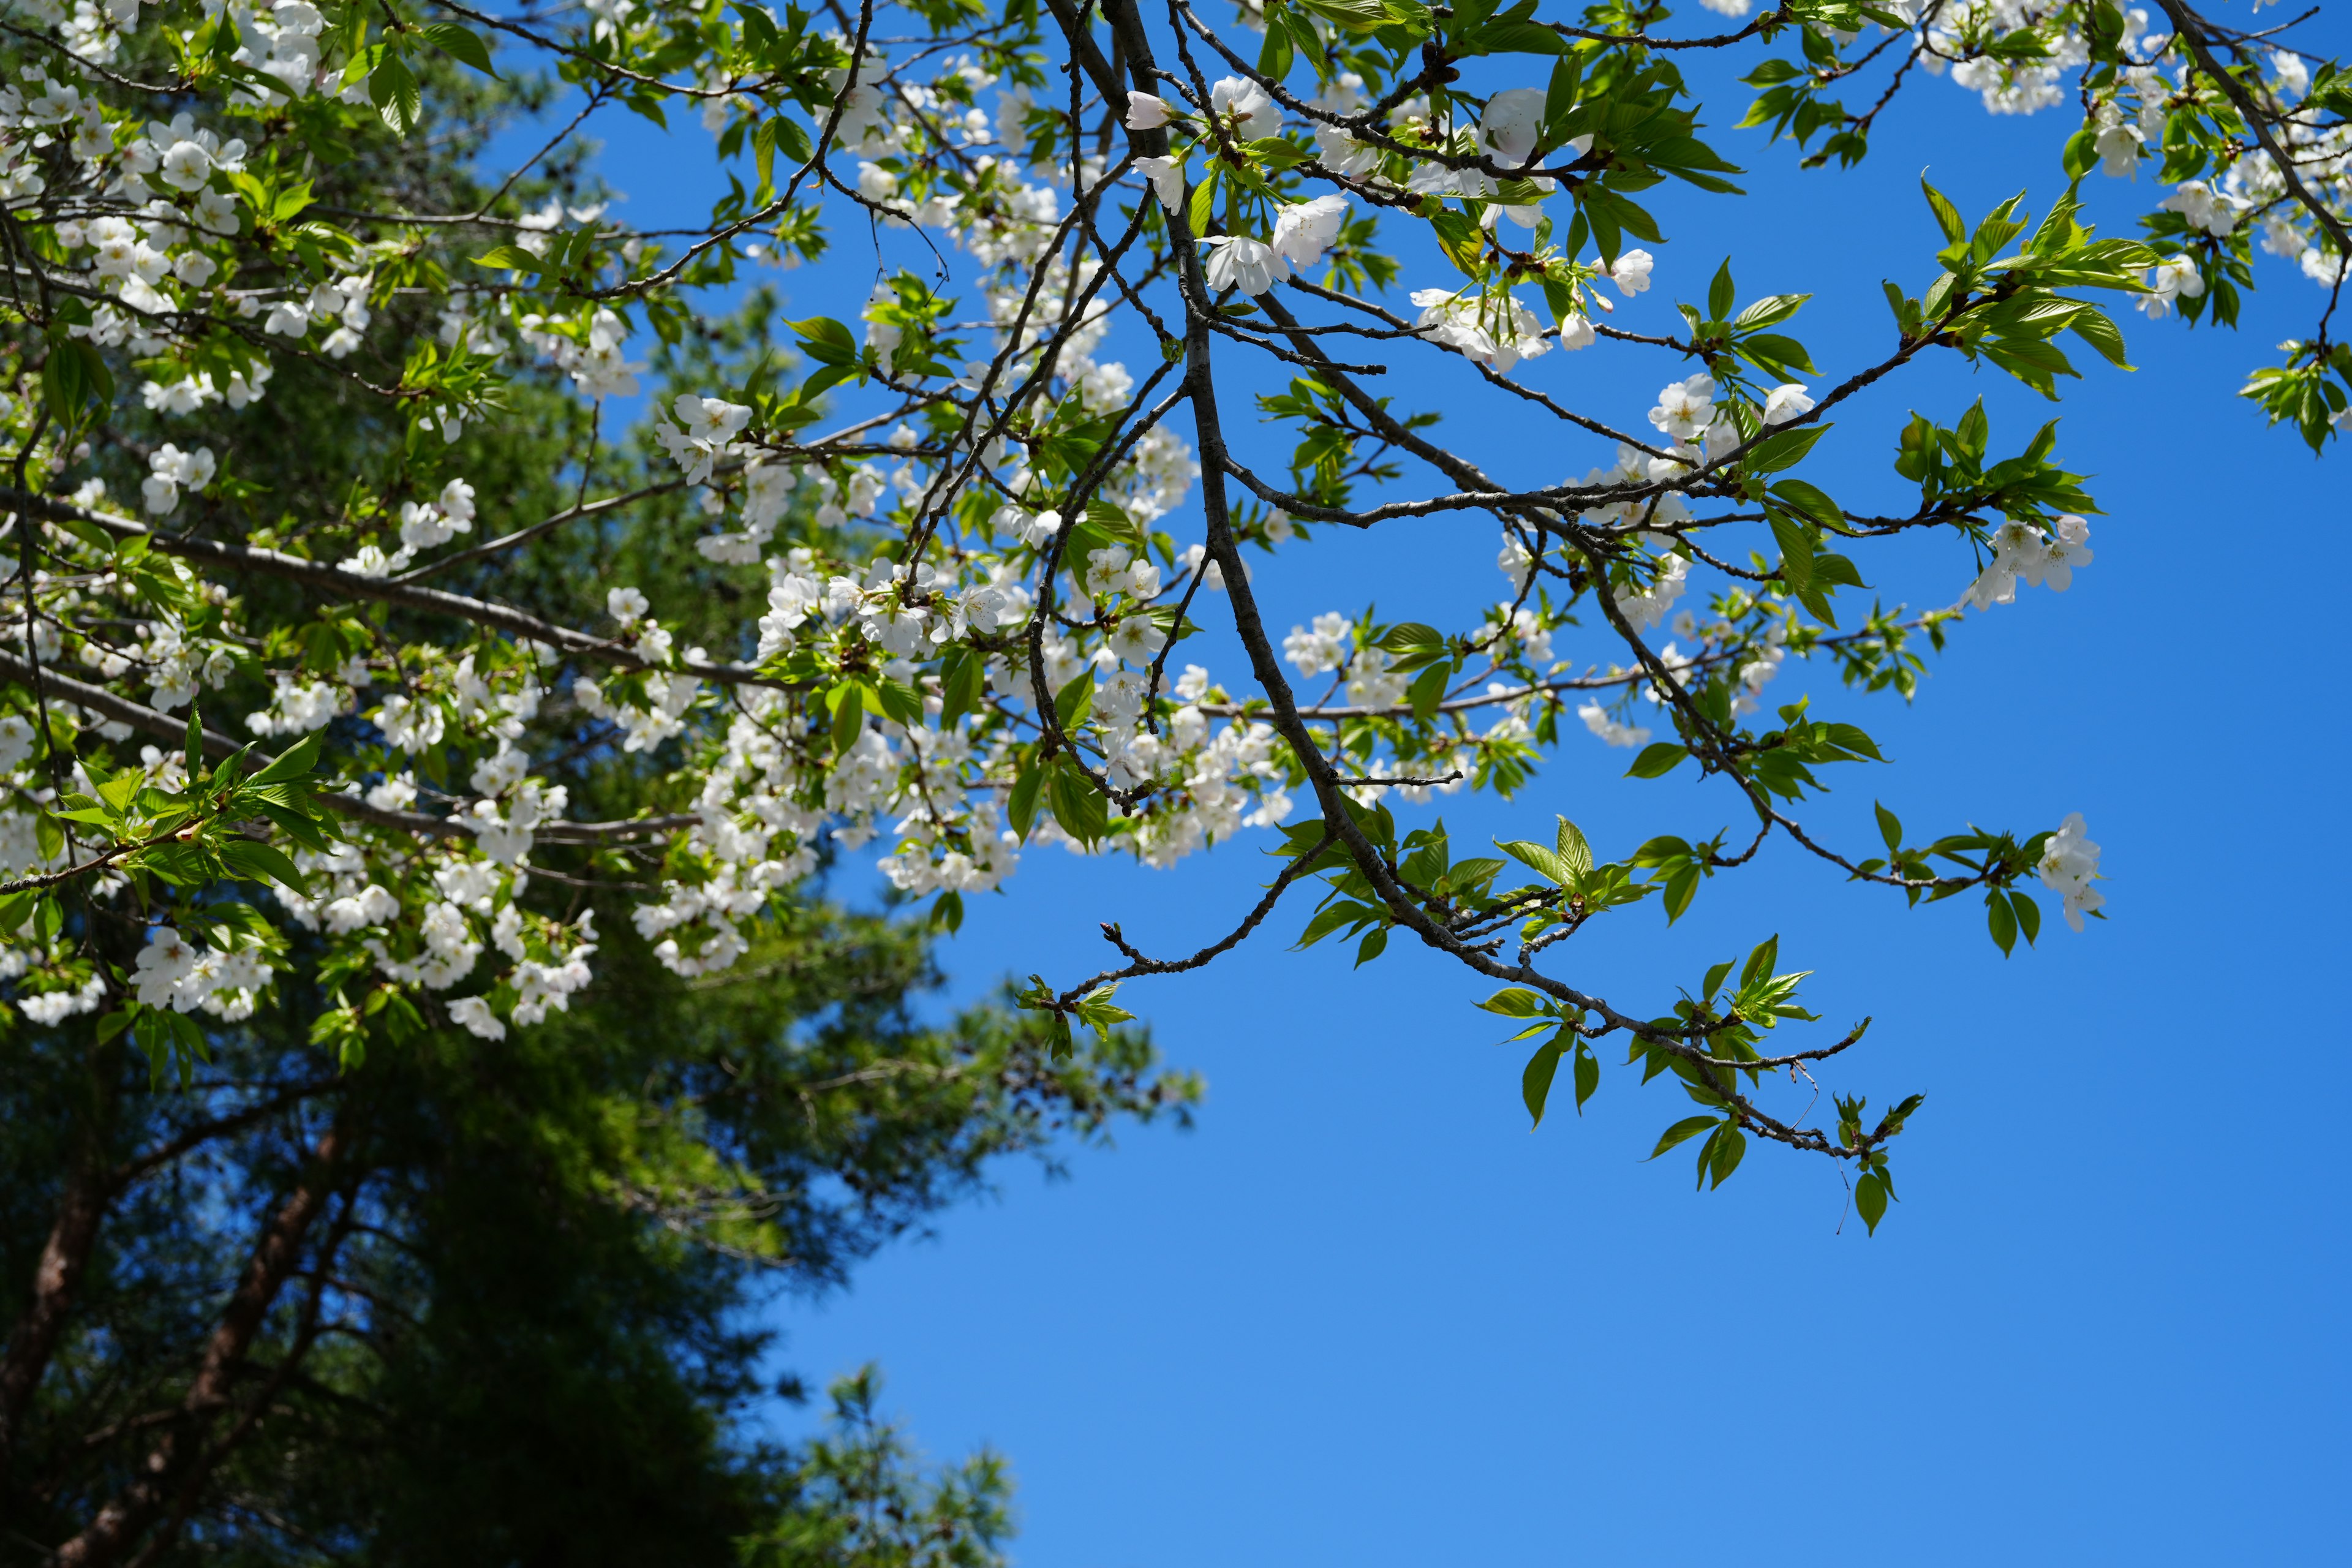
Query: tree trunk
126, 1515
82, 1212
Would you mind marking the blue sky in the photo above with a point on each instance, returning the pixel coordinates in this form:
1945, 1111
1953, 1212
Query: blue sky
1361, 1314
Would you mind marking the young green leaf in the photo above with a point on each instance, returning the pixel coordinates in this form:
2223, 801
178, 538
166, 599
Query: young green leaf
1657, 760
1870, 1195
1689, 1127
1574, 852
1535, 1083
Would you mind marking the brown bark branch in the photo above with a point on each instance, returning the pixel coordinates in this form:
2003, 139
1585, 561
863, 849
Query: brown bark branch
306, 1336
126, 1516
82, 1212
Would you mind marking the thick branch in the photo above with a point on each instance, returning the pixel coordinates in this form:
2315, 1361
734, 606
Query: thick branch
33, 1340
125, 1516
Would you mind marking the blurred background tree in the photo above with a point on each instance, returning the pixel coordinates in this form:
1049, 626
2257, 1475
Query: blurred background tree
464, 1302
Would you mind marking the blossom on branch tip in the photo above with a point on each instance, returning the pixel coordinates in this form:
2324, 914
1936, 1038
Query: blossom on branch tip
1645, 609
1514, 563
1342, 154
1510, 124
2021, 552
1167, 177
1248, 265
1612, 733
1146, 111
709, 419
2070, 864
1303, 230
171, 470
2202, 208
1685, 408
1785, 402
1246, 106
1136, 637
2118, 148
1495, 331
2053, 561
473, 1014
2174, 279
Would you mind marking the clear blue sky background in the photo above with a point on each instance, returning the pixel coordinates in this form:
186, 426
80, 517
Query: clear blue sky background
1361, 1315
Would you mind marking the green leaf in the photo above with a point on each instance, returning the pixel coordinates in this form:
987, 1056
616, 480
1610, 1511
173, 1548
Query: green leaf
2082, 154
2029, 915
1362, 16
1948, 216
2002, 919
646, 102
1811, 502
1516, 1002
1078, 806
1331, 918
1572, 849
1778, 352
121, 790
1727, 1148
1115, 522
1721, 294
826, 339
290, 203
196, 743
1511, 36
1407, 634
295, 762
848, 701
1535, 1083
1682, 1132
900, 702
1428, 690
2094, 328
76, 375
1870, 1200
1099, 1012
1074, 701
1890, 827
1657, 760
1205, 199
965, 685
255, 860
1784, 449
1274, 60
1021, 808
1276, 155
393, 89
1588, 1076
460, 45
1796, 554
512, 258
1770, 311
300, 828
1544, 862
1681, 888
